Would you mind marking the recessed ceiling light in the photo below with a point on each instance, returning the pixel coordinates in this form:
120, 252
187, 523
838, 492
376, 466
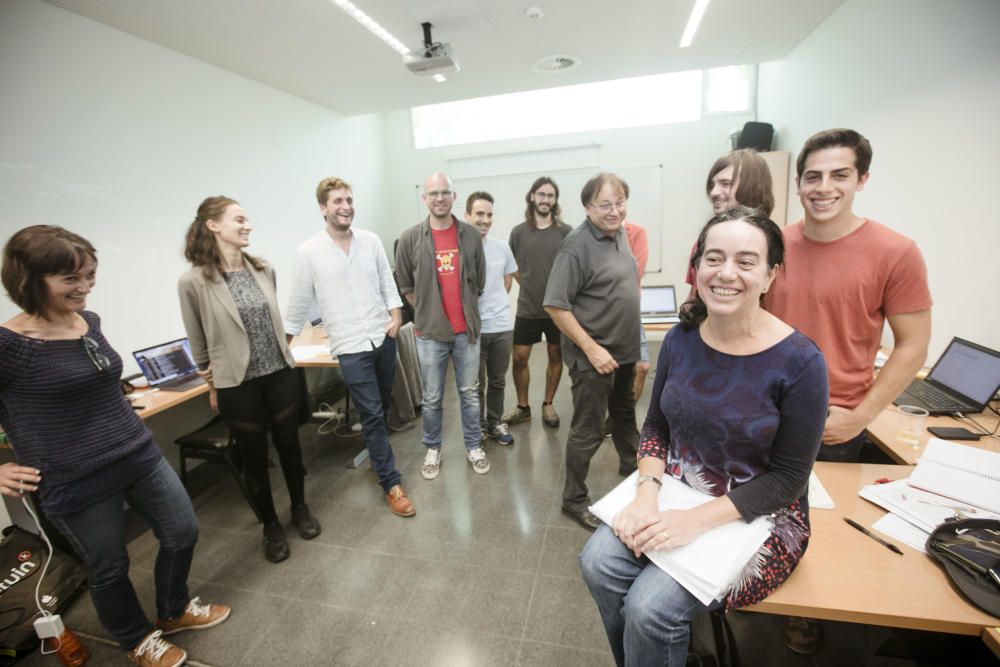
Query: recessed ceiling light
692, 25
440, 78
372, 25
553, 64
534, 13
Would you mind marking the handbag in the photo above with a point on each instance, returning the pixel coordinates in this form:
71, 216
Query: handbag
969, 551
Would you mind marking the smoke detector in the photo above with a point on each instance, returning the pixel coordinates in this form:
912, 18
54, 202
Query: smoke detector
554, 64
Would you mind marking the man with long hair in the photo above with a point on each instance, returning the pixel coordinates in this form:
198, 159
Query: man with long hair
534, 243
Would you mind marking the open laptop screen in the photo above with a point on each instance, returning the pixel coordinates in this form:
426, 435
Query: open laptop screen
656, 300
969, 369
166, 362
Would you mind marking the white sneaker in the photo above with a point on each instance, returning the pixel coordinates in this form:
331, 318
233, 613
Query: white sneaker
432, 463
477, 457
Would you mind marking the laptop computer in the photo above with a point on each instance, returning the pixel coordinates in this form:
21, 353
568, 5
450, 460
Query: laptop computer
658, 304
169, 366
963, 380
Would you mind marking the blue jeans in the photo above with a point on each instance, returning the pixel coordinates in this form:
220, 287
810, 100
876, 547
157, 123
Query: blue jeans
97, 533
646, 614
369, 378
433, 367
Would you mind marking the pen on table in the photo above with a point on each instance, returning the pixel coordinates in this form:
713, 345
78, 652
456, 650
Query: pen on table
887, 545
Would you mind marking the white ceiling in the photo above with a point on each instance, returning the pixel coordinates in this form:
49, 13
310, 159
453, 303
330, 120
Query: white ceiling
313, 50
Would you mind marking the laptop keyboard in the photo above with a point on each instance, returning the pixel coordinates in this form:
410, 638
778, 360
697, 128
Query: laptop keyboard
934, 397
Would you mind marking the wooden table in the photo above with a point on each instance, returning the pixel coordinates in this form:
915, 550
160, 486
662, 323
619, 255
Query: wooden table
883, 433
847, 576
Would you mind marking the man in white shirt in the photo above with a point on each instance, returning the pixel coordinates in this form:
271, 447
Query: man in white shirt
497, 337
346, 273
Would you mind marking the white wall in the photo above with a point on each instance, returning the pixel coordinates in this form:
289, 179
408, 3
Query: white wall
119, 140
921, 80
686, 151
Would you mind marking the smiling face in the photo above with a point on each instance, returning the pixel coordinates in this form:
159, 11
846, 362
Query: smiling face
338, 211
722, 190
607, 210
733, 271
67, 293
481, 216
438, 196
828, 184
232, 228
544, 198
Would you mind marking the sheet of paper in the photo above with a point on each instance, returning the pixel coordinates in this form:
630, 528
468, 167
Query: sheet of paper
707, 567
819, 497
303, 352
903, 531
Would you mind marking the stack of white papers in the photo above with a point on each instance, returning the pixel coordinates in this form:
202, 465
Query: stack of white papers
819, 498
304, 352
707, 567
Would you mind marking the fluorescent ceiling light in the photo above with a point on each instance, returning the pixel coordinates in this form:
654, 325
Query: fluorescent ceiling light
351, 10
440, 78
693, 21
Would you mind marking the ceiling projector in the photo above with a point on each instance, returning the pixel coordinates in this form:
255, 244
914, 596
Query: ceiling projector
431, 58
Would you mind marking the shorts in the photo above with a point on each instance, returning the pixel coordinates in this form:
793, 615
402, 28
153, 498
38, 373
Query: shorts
529, 331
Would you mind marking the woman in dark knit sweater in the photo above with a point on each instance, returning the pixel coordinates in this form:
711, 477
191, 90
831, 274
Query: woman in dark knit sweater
738, 408
231, 315
81, 446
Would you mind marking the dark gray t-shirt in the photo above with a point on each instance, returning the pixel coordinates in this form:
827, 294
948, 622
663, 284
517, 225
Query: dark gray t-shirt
595, 277
534, 251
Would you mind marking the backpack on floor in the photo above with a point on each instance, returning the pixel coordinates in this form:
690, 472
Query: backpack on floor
969, 551
22, 556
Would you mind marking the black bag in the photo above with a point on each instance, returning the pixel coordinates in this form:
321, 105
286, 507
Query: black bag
22, 556
969, 550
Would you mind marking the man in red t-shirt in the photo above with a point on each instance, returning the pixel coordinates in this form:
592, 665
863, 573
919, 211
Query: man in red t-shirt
844, 277
441, 271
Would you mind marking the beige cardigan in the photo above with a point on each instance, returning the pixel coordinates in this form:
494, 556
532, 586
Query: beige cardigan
215, 329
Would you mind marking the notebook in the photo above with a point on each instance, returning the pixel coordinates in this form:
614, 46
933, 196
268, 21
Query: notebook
169, 366
658, 304
963, 380
960, 472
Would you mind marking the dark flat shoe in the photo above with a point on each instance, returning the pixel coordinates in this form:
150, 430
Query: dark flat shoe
275, 544
583, 517
305, 522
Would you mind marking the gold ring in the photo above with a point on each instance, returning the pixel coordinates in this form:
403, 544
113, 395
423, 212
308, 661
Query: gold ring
665, 535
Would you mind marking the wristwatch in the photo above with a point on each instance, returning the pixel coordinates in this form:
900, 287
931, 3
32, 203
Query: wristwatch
648, 478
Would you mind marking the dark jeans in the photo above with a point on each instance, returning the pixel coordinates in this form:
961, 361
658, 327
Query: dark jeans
845, 452
369, 378
249, 409
494, 360
97, 534
595, 395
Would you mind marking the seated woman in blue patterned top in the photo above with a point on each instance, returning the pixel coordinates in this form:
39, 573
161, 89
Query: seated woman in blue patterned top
738, 407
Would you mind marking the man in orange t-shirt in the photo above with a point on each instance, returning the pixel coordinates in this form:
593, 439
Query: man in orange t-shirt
844, 277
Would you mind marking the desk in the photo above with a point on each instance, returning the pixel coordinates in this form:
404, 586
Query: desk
883, 433
992, 638
846, 576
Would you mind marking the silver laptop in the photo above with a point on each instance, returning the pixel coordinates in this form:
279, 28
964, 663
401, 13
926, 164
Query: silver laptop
658, 305
963, 380
169, 366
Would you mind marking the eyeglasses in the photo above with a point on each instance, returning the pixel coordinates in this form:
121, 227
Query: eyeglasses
440, 194
545, 195
608, 206
100, 361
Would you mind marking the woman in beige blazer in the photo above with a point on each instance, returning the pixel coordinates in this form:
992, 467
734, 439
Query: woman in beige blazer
230, 311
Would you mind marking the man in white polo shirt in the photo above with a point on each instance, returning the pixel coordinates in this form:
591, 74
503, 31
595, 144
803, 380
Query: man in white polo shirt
346, 272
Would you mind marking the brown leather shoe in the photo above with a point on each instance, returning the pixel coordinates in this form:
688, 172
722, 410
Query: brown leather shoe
399, 504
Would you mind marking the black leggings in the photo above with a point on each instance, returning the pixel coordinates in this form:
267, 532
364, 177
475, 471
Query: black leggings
249, 408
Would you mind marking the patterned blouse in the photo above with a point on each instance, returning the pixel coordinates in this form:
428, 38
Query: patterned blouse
265, 353
748, 427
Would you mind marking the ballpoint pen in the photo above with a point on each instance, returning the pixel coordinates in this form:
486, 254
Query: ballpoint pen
887, 545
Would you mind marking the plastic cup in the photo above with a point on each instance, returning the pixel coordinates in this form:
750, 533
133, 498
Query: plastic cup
911, 424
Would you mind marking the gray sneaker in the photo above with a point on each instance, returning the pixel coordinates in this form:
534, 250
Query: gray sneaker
549, 415
516, 415
477, 457
432, 463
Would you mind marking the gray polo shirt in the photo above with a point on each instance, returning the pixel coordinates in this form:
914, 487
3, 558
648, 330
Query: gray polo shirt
595, 277
534, 250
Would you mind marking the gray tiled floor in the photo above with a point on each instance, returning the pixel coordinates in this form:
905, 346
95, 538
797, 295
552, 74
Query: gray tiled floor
484, 574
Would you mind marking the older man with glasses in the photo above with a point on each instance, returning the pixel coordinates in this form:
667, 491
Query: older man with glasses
593, 297
441, 271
